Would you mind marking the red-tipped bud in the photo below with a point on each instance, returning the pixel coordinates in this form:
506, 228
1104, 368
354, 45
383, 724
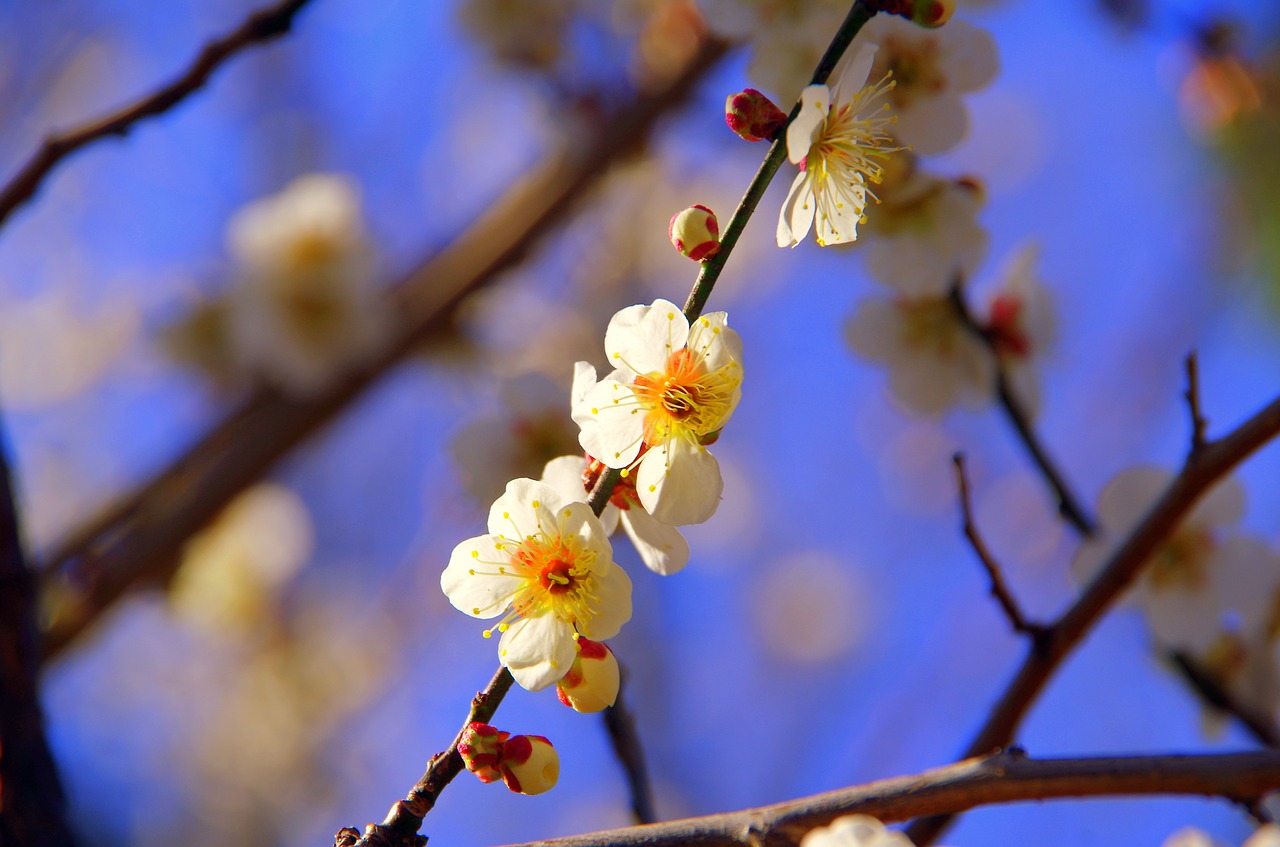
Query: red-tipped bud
530, 765
481, 748
753, 116
695, 232
932, 13
591, 685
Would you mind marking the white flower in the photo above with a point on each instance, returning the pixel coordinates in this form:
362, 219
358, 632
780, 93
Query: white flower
1021, 322
547, 568
854, 831
839, 139
1200, 576
1190, 836
926, 234
932, 68
304, 307
789, 36
934, 360
673, 388
662, 548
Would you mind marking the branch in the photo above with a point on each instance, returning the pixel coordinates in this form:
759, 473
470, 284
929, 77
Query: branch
1006, 777
1199, 425
621, 726
32, 805
1199, 473
400, 827
139, 540
1259, 724
999, 588
264, 25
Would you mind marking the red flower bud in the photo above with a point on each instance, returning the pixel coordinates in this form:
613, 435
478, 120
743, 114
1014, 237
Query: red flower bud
753, 116
695, 232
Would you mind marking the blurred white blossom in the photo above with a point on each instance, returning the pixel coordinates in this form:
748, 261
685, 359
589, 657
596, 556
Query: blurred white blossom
854, 831
787, 38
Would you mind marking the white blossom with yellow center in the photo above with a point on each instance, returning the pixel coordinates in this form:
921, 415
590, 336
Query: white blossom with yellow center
547, 569
674, 386
840, 139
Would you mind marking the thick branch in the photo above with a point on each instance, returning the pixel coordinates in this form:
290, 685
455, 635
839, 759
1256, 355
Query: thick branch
264, 25
32, 805
1202, 469
138, 541
1001, 778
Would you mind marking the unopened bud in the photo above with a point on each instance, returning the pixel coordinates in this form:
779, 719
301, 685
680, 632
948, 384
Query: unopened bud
530, 765
695, 232
481, 748
932, 13
591, 685
753, 116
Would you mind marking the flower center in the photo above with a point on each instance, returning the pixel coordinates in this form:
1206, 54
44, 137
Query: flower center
915, 65
686, 401
930, 326
1182, 562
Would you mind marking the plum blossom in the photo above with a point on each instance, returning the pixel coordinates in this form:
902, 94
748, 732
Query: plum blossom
304, 307
854, 831
839, 139
673, 388
661, 547
547, 569
934, 360
931, 69
1021, 322
1203, 575
1190, 836
789, 37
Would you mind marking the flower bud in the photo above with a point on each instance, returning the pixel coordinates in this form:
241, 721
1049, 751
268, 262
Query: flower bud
481, 748
591, 684
932, 13
530, 765
753, 116
695, 232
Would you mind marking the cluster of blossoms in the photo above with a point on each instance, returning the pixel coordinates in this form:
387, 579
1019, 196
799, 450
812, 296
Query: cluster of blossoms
1210, 592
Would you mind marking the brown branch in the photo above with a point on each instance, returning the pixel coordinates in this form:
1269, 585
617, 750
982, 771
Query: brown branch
264, 25
999, 588
1199, 425
400, 827
1199, 473
139, 540
621, 726
1260, 725
1006, 777
1068, 505
32, 804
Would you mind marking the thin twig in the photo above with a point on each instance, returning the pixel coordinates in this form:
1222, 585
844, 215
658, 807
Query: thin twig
1262, 726
400, 827
621, 726
1211, 464
1199, 425
999, 588
1068, 504
263, 25
32, 804
1007, 777
138, 541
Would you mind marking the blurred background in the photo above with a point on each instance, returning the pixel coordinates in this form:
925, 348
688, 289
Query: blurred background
292, 668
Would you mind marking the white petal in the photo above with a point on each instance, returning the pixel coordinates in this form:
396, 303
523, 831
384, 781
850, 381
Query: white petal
851, 73
640, 338
815, 105
515, 515
612, 423
662, 548
584, 379
839, 207
874, 332
564, 474
796, 216
1222, 506
613, 603
538, 651
578, 519
934, 125
716, 344
1129, 496
969, 57
471, 580
679, 483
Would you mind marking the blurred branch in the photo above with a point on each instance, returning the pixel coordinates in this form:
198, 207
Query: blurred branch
1192, 394
1260, 725
1199, 472
1006, 777
621, 726
1068, 506
138, 541
999, 588
32, 804
264, 25
400, 827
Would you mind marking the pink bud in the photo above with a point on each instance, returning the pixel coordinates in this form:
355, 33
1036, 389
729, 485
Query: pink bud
753, 116
481, 749
530, 765
695, 232
932, 13
591, 685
